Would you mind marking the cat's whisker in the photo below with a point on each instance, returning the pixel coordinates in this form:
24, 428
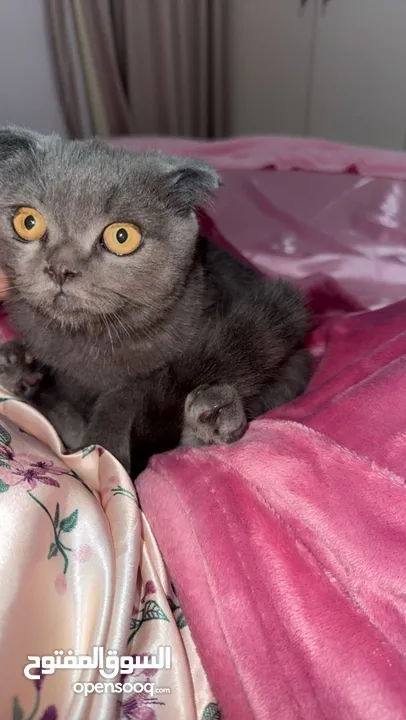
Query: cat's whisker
122, 324
115, 328
103, 316
47, 326
126, 325
14, 301
113, 315
19, 286
127, 298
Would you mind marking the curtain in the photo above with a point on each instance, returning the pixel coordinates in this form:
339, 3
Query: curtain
141, 66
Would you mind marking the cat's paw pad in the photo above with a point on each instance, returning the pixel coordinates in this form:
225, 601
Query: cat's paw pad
20, 374
213, 415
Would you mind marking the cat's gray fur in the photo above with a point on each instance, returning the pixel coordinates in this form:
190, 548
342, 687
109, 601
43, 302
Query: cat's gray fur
128, 340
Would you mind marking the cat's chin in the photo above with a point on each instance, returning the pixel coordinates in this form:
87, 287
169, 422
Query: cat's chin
67, 310
67, 319
65, 313
63, 310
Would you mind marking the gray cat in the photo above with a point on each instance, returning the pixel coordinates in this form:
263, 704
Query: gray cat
146, 335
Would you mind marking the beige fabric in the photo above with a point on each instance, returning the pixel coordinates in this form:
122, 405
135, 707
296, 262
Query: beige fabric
79, 567
149, 67
94, 92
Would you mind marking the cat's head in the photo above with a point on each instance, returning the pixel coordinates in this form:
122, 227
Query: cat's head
87, 230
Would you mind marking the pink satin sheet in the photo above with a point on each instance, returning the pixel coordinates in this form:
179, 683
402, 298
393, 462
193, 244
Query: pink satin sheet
79, 568
331, 210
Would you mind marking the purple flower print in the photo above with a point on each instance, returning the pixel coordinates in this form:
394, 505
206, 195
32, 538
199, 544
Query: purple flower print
31, 476
150, 589
50, 467
39, 471
50, 713
38, 683
24, 468
139, 707
21, 470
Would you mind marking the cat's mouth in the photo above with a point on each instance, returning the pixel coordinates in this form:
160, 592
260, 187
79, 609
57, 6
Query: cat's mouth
67, 308
63, 307
66, 311
62, 301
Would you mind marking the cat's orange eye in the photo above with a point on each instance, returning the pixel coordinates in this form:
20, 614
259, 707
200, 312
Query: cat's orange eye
29, 224
122, 238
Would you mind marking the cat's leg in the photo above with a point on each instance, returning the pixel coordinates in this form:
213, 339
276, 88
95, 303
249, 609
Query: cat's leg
139, 420
213, 415
290, 382
110, 424
68, 422
20, 374
217, 415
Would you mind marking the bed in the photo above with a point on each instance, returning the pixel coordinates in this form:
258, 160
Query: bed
273, 568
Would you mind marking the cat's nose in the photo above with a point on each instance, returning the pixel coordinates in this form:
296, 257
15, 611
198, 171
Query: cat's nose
60, 273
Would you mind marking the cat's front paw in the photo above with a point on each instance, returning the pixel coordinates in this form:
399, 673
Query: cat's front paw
20, 374
213, 415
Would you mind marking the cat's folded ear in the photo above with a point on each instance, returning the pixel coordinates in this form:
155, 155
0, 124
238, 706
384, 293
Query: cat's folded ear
189, 183
16, 141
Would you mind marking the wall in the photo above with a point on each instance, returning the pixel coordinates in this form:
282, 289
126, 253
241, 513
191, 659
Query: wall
27, 88
270, 54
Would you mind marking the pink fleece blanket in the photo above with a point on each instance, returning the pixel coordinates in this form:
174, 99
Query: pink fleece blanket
287, 549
